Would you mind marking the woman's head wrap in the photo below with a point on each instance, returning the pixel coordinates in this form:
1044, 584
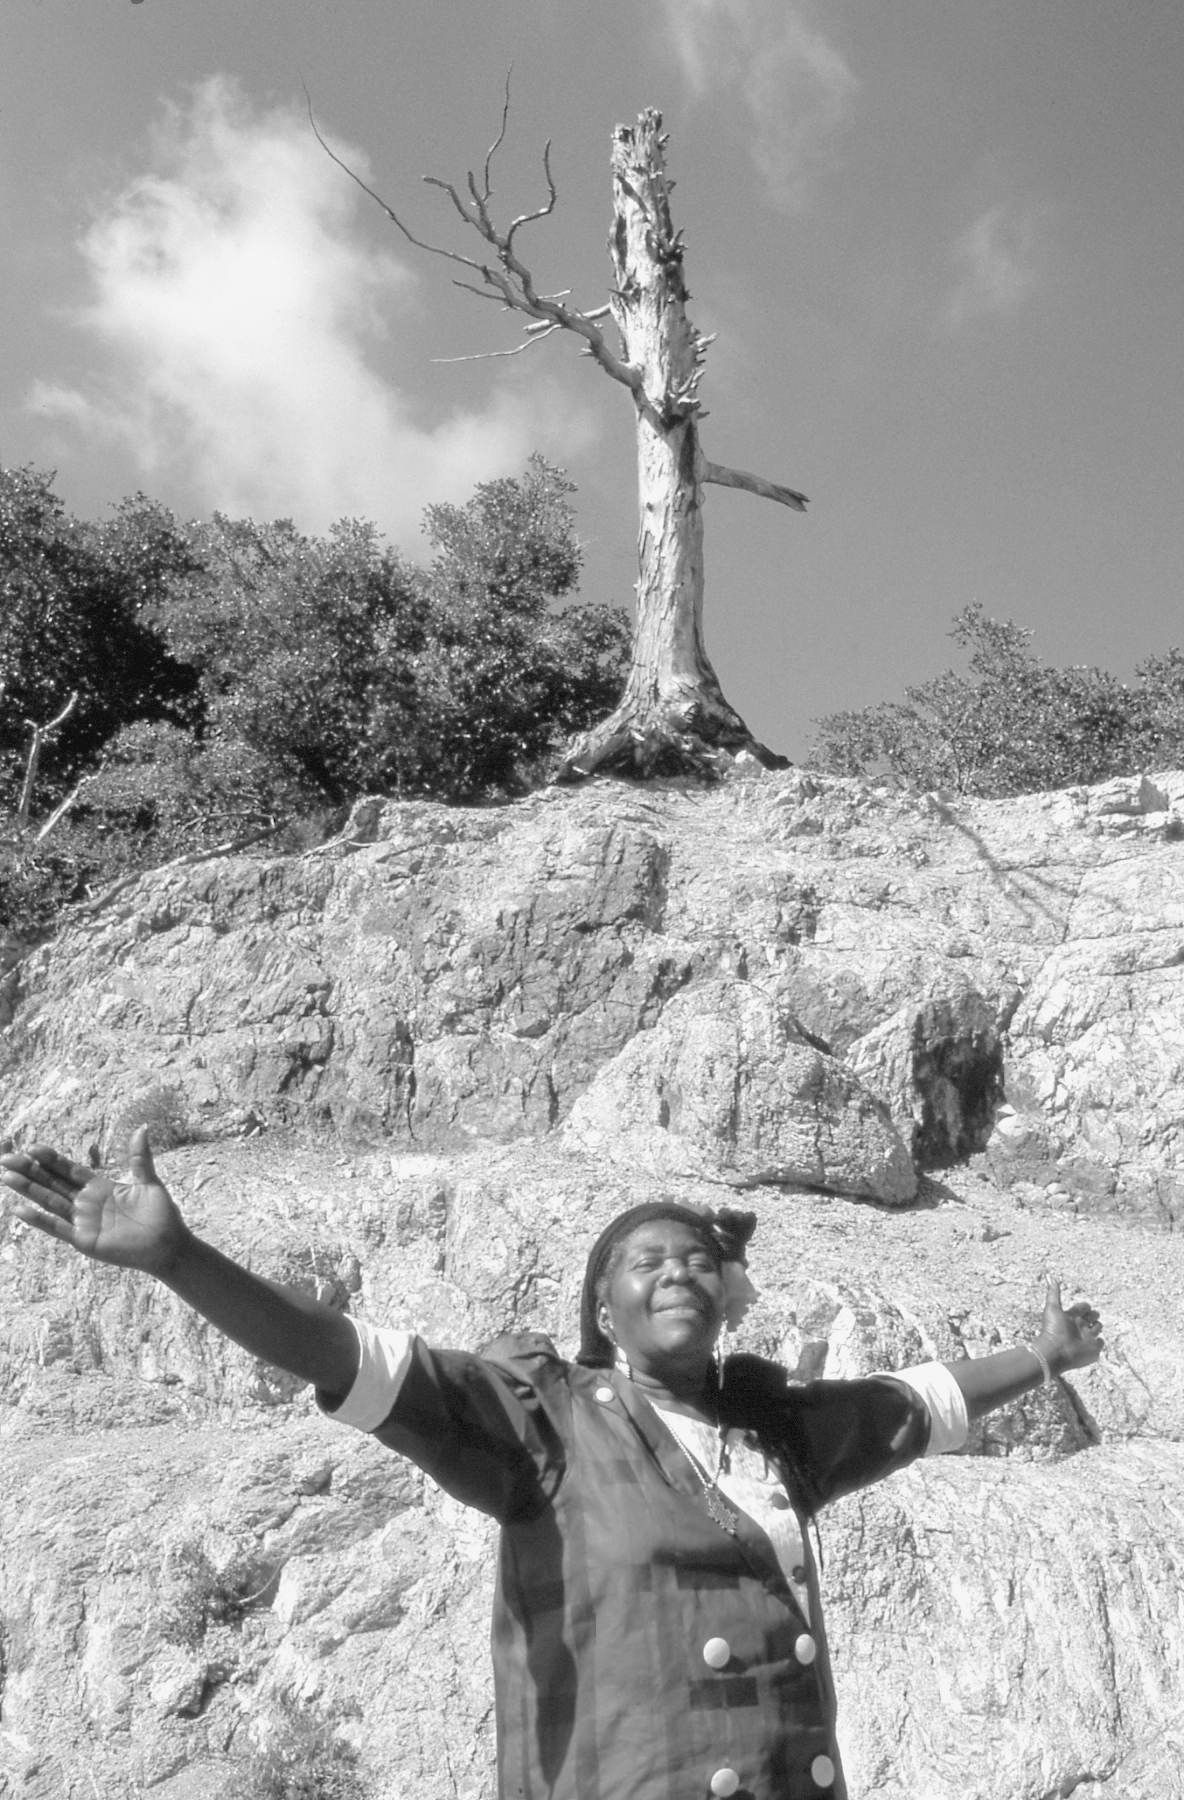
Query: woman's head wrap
728, 1231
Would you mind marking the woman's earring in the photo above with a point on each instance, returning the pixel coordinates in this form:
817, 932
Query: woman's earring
620, 1360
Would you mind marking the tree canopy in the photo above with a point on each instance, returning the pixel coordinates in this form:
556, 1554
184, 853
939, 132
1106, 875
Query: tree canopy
236, 675
73, 619
1012, 725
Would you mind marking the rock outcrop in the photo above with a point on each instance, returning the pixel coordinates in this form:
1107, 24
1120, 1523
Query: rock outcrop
440, 976
938, 1047
726, 1081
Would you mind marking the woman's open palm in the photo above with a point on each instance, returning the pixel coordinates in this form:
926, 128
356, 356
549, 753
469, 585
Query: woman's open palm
133, 1224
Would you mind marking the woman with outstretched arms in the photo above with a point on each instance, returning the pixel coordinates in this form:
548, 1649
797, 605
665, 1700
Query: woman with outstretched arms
657, 1630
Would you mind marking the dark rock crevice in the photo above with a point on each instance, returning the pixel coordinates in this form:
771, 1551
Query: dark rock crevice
958, 1080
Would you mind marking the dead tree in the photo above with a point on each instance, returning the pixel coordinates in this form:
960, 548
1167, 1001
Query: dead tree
673, 717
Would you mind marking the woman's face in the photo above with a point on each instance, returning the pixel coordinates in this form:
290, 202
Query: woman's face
665, 1300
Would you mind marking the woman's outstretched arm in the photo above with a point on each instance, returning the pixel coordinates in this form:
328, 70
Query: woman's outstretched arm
1069, 1338
137, 1225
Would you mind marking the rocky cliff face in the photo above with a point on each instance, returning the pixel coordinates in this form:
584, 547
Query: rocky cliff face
939, 1047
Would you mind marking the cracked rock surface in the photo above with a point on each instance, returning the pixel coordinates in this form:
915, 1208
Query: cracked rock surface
937, 1048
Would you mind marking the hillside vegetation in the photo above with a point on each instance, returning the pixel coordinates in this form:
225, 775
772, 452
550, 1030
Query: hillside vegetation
232, 680
235, 678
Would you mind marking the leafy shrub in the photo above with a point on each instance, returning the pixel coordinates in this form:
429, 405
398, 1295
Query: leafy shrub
236, 678
36, 881
194, 1595
305, 1759
298, 644
73, 604
163, 792
351, 672
165, 1111
1014, 727
504, 677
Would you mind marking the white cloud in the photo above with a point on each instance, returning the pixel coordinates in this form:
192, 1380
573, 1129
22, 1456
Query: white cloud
235, 303
795, 84
994, 259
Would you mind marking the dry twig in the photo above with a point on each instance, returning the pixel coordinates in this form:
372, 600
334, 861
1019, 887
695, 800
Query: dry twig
505, 277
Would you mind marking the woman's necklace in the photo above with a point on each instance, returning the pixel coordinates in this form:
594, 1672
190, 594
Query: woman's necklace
724, 1515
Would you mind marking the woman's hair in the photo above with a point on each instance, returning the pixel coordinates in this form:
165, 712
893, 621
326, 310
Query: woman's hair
726, 1233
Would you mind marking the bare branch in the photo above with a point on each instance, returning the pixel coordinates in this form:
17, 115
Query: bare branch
500, 139
71, 703
59, 812
543, 329
392, 215
481, 293
462, 209
753, 484
543, 211
41, 734
514, 282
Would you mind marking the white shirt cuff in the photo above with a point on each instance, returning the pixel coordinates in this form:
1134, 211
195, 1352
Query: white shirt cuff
384, 1359
949, 1422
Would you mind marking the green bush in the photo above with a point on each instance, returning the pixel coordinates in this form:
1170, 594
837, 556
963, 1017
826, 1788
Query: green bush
1013, 725
239, 679
193, 1595
73, 603
304, 1759
337, 669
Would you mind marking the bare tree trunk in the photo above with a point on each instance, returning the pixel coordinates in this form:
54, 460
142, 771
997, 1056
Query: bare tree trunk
673, 717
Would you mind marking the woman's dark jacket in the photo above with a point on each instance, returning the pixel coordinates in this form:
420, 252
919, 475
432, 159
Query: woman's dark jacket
613, 1574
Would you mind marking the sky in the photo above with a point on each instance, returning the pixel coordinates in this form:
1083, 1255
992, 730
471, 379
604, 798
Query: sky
941, 246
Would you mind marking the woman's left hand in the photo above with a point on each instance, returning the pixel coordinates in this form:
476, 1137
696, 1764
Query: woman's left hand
1070, 1336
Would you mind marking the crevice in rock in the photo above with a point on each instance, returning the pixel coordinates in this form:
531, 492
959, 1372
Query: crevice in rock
1085, 1418
1071, 1783
958, 1079
809, 1037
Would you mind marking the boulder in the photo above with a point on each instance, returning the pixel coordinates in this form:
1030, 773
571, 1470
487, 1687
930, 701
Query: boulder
1019, 1632
724, 1083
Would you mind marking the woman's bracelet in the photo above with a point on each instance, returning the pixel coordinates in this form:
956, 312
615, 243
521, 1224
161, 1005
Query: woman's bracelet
1045, 1370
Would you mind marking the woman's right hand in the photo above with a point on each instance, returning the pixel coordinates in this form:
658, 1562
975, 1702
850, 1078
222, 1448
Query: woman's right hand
134, 1224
